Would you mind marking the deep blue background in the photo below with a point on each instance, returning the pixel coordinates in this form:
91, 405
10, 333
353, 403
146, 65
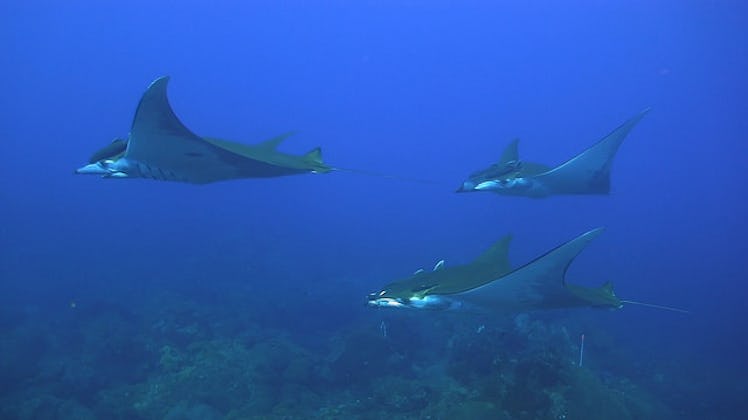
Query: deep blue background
424, 90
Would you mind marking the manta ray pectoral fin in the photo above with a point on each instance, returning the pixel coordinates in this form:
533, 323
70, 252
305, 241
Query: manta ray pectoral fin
164, 148
439, 265
589, 171
538, 284
115, 148
157, 135
497, 256
532, 169
274, 142
510, 153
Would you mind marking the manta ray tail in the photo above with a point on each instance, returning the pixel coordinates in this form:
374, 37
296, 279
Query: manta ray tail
589, 171
652, 305
388, 176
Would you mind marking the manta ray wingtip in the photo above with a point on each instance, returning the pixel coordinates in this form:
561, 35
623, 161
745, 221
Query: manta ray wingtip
161, 80
641, 114
594, 232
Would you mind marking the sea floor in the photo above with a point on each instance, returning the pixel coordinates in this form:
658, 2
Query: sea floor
172, 355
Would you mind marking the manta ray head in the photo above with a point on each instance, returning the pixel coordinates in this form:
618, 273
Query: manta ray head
377, 301
383, 299
106, 168
497, 177
510, 185
504, 184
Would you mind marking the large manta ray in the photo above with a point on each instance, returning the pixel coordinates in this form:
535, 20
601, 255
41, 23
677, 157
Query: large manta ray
585, 173
160, 147
489, 285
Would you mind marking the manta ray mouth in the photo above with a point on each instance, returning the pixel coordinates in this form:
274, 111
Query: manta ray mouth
384, 302
489, 185
92, 169
431, 302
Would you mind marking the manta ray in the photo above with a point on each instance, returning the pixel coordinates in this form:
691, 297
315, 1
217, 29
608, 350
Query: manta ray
488, 284
585, 173
160, 147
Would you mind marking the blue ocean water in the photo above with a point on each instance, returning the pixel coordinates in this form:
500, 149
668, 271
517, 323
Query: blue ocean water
242, 299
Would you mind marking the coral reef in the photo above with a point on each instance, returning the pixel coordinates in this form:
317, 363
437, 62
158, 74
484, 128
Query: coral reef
175, 357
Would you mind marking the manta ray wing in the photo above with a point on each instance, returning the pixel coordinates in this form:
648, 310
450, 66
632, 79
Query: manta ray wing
448, 280
162, 147
160, 144
589, 171
539, 284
